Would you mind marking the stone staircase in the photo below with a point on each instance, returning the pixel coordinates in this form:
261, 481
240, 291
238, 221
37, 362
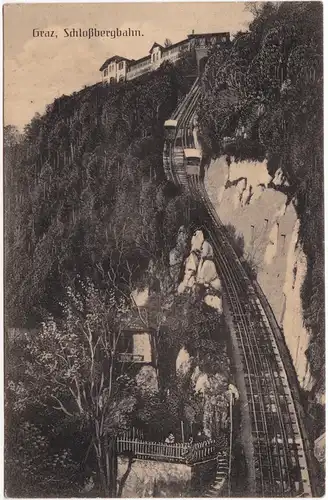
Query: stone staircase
219, 486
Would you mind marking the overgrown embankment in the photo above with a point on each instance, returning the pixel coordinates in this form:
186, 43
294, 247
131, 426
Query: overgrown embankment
263, 99
87, 209
85, 191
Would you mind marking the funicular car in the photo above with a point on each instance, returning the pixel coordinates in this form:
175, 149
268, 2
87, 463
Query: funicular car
192, 160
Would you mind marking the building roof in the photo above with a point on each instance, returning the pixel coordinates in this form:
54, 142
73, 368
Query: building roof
201, 35
113, 59
136, 320
156, 45
133, 63
192, 153
175, 44
170, 123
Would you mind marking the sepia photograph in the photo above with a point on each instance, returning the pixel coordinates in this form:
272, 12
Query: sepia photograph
164, 295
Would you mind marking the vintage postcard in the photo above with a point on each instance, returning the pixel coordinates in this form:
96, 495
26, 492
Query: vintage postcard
164, 250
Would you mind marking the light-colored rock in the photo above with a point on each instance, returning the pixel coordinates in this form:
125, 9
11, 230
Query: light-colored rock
272, 247
214, 301
188, 281
320, 448
183, 361
255, 172
280, 212
191, 281
191, 263
184, 285
216, 284
207, 250
202, 383
197, 241
195, 374
206, 272
140, 297
278, 179
241, 193
296, 335
234, 391
274, 255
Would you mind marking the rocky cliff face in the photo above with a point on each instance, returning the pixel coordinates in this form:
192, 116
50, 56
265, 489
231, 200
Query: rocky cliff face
200, 271
246, 196
200, 277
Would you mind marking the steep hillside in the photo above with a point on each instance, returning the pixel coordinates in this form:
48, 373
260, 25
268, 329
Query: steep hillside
262, 100
85, 191
90, 218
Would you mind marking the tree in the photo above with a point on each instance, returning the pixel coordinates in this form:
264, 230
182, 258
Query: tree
33, 469
72, 369
77, 176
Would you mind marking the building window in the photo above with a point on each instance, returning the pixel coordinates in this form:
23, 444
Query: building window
126, 343
106, 72
120, 66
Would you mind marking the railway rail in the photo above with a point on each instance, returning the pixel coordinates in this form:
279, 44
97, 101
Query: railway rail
281, 449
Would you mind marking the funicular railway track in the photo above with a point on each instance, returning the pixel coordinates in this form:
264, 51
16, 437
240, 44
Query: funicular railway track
280, 461
279, 457
173, 152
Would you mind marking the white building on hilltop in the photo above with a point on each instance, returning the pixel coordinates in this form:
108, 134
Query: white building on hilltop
119, 69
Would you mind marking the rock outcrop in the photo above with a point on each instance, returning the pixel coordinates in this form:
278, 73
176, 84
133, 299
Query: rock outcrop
200, 270
268, 226
183, 362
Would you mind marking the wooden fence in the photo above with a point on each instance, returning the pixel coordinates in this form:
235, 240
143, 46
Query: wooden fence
178, 452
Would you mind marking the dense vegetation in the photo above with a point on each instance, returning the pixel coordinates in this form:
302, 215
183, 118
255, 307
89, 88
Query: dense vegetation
87, 209
263, 98
85, 191
90, 217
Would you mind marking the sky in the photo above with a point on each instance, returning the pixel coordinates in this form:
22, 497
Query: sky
39, 69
